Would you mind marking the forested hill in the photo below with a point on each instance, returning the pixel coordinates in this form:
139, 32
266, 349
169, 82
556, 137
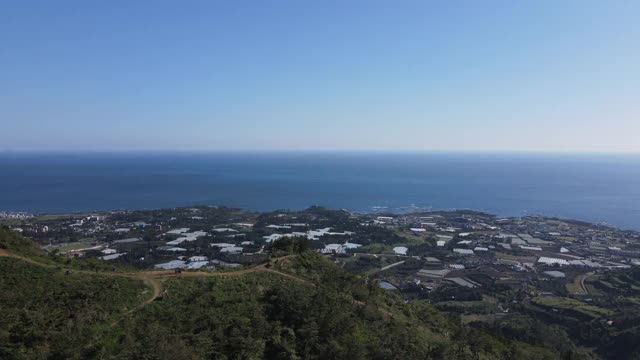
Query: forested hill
296, 307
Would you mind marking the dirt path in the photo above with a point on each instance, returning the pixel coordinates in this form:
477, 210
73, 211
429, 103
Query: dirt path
152, 278
584, 277
6, 253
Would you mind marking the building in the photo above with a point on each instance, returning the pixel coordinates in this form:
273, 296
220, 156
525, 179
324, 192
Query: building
552, 261
555, 274
463, 251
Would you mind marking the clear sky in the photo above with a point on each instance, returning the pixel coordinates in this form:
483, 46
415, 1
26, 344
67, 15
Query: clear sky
543, 75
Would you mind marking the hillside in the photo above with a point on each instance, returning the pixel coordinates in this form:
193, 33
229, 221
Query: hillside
297, 307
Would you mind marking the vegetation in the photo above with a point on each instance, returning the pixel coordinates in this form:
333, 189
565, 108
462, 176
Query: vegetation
289, 245
47, 313
299, 307
331, 314
572, 305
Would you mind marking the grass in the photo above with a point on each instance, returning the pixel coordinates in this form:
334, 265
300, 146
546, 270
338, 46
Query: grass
572, 305
635, 300
469, 318
377, 249
50, 314
574, 286
72, 246
412, 238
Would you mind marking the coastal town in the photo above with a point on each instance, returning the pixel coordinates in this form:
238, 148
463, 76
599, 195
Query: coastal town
499, 274
452, 241
471, 263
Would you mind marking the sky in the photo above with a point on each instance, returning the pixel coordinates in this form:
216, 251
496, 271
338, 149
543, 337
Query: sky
121, 75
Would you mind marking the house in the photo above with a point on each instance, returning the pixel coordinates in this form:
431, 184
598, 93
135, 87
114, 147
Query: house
400, 250
231, 249
332, 249
222, 245
197, 264
125, 241
220, 230
177, 231
278, 226
387, 286
177, 241
173, 264
171, 248
111, 257
534, 248
552, 261
555, 274
349, 245
463, 282
463, 251
437, 274
198, 258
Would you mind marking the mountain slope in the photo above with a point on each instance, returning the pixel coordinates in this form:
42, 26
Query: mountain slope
317, 312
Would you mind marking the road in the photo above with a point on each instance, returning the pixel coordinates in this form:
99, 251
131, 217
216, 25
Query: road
392, 265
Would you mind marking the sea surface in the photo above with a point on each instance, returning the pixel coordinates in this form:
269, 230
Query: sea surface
595, 188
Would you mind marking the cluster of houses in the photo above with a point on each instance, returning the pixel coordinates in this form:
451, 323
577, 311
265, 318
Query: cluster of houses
508, 250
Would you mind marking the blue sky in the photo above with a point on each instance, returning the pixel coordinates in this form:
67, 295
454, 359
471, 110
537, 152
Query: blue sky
320, 75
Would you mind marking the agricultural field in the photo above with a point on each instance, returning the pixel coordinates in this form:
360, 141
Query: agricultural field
569, 304
70, 246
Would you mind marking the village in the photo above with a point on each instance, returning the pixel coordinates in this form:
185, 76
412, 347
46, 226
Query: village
474, 264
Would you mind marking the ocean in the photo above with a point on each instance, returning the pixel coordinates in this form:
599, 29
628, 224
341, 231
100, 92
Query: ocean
594, 188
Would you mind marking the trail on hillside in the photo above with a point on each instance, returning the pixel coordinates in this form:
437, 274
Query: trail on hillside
6, 253
152, 278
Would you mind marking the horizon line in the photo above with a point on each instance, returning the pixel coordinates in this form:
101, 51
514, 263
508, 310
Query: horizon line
312, 151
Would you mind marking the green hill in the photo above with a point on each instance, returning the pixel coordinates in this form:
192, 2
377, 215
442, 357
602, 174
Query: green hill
300, 307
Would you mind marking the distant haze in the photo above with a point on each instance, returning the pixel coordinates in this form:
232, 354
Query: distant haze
560, 76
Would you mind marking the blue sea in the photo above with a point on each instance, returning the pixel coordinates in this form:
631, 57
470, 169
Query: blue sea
595, 188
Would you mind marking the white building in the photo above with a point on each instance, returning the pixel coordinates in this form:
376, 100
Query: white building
231, 249
400, 250
173, 264
552, 261
220, 230
555, 274
111, 256
222, 245
172, 249
197, 264
198, 258
177, 231
278, 226
463, 251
